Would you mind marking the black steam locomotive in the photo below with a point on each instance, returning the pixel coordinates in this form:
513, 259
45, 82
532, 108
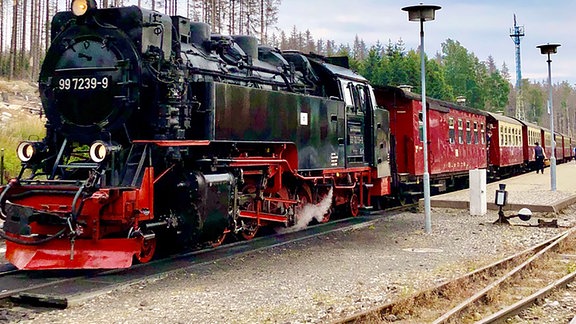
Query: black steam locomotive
159, 132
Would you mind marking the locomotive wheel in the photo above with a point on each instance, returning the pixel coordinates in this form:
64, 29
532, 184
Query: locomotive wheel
377, 203
354, 205
220, 239
250, 229
249, 226
405, 199
303, 200
147, 251
384, 202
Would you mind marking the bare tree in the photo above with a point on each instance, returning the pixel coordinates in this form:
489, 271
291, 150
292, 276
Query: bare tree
33, 38
13, 42
24, 21
1, 31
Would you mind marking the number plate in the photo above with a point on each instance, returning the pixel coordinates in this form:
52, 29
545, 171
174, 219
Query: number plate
86, 83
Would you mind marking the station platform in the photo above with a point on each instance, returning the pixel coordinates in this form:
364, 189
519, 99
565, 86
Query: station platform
530, 190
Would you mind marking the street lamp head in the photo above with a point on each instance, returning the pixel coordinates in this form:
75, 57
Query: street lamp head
421, 12
548, 48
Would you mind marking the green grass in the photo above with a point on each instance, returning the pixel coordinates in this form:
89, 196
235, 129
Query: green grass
19, 129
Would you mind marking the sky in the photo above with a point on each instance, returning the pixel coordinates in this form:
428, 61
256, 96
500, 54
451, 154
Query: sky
482, 27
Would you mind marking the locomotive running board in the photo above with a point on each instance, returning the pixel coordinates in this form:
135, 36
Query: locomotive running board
87, 254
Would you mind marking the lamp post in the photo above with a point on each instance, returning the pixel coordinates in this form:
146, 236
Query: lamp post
424, 13
548, 49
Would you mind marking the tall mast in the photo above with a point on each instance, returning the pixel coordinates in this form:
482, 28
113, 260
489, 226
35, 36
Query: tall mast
516, 33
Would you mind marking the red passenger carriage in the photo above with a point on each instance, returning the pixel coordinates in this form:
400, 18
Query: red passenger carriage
559, 138
506, 148
456, 134
546, 142
531, 133
568, 148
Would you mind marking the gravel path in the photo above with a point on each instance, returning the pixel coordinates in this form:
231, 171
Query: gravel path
321, 279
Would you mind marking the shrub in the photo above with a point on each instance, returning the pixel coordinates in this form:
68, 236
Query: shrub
26, 127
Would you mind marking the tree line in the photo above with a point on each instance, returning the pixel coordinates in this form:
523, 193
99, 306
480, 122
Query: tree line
25, 24
453, 72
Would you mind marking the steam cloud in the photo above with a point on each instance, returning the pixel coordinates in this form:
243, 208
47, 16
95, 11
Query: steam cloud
309, 212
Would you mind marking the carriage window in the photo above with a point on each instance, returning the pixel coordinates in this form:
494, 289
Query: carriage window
451, 131
420, 127
482, 137
502, 136
535, 137
460, 132
468, 133
514, 138
475, 132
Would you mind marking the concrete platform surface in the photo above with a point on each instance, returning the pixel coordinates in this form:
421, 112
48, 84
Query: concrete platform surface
529, 190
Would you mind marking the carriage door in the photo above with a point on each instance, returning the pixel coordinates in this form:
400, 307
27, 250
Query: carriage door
355, 109
377, 123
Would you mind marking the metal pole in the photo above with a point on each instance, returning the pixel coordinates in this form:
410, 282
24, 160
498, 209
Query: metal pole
426, 176
553, 154
1, 166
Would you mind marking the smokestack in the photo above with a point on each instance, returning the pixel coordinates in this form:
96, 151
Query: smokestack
406, 87
461, 100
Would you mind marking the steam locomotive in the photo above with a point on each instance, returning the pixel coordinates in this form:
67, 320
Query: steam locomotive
161, 133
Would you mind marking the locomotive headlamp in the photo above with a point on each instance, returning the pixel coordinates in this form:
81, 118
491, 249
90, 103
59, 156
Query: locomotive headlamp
99, 151
28, 150
80, 7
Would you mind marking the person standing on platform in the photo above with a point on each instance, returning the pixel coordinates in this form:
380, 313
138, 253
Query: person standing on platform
539, 156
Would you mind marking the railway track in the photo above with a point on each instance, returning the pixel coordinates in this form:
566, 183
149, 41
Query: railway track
492, 294
60, 289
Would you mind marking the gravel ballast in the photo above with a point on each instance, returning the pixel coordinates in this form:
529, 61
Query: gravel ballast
321, 279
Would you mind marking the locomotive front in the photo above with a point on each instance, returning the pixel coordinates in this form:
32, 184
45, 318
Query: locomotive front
92, 73
84, 168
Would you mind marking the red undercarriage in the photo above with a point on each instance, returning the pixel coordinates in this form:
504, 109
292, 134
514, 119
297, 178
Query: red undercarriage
100, 234
86, 254
108, 215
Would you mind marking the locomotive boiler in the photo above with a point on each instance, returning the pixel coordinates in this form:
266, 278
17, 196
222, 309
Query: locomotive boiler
161, 134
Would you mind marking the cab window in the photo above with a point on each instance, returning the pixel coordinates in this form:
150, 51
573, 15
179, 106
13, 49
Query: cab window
347, 94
